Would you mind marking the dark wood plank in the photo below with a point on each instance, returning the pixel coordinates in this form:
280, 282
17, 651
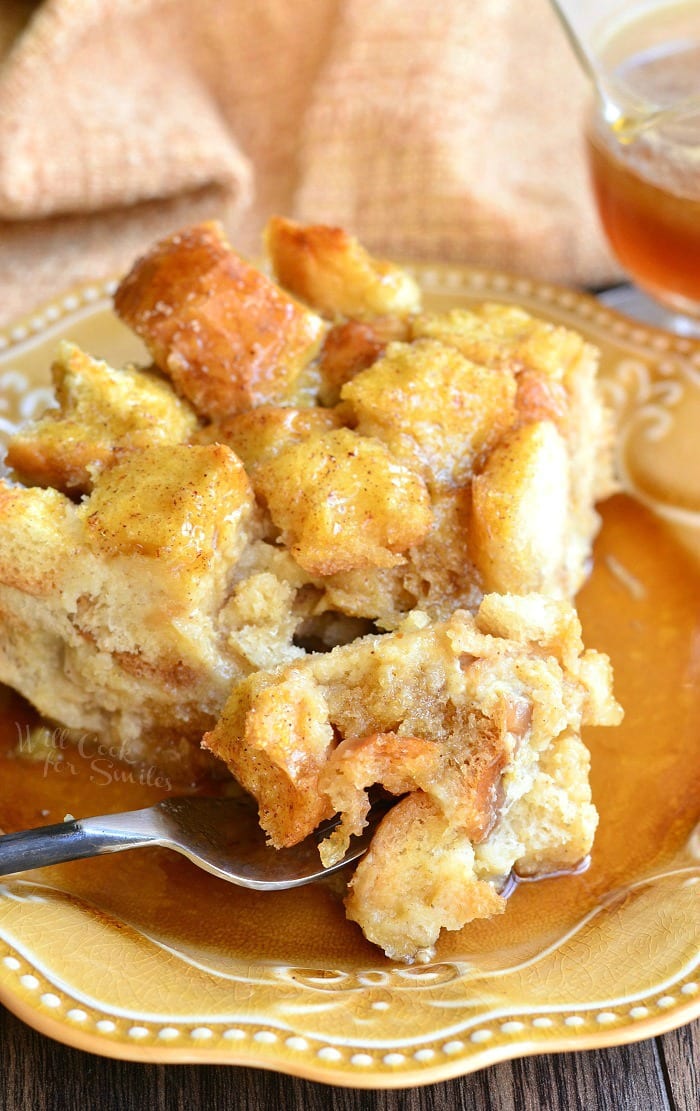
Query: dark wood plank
679, 1052
626, 1078
42, 1075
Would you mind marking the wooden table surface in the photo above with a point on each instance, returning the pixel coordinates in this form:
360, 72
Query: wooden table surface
40, 1075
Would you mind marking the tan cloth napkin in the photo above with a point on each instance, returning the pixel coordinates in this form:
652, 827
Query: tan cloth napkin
434, 129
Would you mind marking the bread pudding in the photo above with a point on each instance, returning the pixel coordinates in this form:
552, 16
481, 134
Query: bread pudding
326, 543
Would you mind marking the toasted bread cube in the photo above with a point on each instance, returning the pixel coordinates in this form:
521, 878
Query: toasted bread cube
229, 338
519, 528
417, 879
259, 435
343, 501
332, 272
39, 534
111, 607
275, 738
533, 618
350, 347
99, 409
509, 337
432, 407
438, 576
188, 506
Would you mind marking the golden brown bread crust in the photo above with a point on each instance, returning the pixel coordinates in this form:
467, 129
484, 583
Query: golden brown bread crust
99, 409
352, 346
110, 608
520, 520
508, 337
349, 348
343, 501
433, 408
260, 434
332, 272
400, 763
182, 507
279, 772
228, 337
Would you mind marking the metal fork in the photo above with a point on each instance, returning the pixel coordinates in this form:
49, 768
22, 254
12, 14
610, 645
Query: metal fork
220, 835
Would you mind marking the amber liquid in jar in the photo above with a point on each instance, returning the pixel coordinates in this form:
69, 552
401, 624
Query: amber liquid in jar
647, 181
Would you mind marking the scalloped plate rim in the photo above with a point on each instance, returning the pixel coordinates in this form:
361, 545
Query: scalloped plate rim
461, 1066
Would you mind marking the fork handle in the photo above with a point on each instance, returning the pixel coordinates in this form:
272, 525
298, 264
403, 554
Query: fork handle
56, 844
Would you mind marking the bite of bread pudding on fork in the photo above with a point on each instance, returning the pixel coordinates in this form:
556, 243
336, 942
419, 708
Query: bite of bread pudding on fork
326, 541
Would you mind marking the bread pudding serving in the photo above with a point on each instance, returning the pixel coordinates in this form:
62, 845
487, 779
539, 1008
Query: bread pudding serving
325, 542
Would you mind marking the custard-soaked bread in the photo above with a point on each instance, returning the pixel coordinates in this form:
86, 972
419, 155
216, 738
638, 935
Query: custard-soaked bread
489, 689
468, 712
500, 414
229, 338
344, 501
556, 379
417, 879
521, 534
477, 719
258, 435
110, 608
352, 346
422, 874
433, 408
98, 410
293, 477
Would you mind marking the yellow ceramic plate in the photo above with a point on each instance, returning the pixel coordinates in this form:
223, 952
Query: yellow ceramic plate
142, 956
